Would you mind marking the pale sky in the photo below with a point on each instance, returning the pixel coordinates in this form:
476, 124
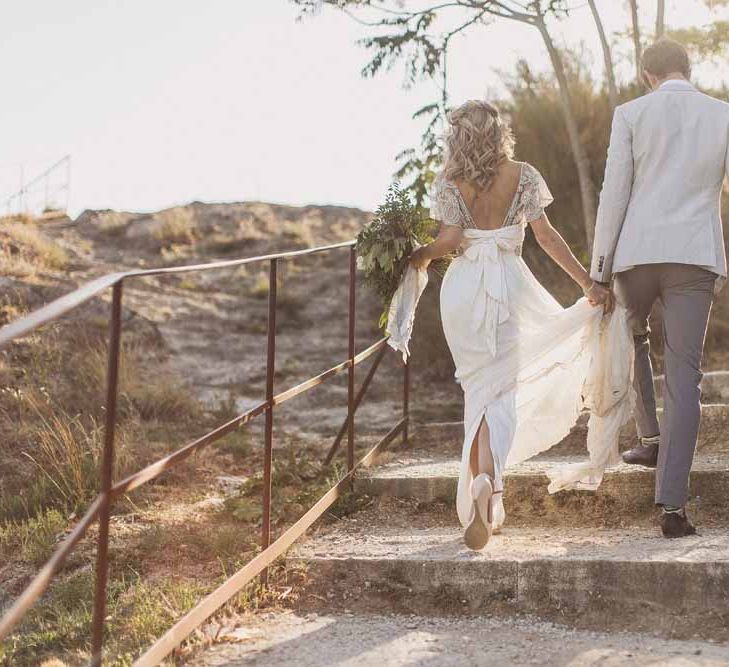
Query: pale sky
162, 102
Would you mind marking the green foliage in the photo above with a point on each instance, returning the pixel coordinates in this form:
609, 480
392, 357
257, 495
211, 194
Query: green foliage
385, 244
407, 40
421, 164
139, 611
706, 41
239, 444
534, 109
298, 482
32, 541
60, 621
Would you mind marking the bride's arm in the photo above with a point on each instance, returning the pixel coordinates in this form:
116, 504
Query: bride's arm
556, 247
449, 238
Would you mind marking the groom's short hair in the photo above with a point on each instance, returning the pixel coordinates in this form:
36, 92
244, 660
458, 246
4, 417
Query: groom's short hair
666, 56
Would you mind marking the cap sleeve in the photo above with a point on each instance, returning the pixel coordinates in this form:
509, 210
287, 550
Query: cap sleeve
536, 195
444, 203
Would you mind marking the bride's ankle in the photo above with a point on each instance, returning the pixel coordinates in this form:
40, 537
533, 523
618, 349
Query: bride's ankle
480, 482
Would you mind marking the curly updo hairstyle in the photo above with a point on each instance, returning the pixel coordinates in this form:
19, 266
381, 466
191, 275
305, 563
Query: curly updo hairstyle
477, 142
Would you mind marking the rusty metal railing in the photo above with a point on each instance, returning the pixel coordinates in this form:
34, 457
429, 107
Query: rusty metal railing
100, 507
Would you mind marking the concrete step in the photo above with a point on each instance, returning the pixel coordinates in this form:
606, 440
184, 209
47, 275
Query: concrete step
385, 640
624, 498
713, 436
611, 579
714, 386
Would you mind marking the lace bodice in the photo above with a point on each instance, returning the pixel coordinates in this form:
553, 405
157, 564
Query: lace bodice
531, 198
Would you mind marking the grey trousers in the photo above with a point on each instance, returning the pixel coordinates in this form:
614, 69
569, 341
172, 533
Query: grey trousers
686, 294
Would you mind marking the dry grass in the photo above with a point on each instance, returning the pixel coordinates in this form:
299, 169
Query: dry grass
52, 410
113, 224
23, 218
139, 611
164, 556
60, 625
146, 390
51, 389
289, 304
34, 540
25, 250
66, 457
175, 226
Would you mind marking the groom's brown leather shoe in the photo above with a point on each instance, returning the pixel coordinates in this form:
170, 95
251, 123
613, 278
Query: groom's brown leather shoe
676, 524
642, 455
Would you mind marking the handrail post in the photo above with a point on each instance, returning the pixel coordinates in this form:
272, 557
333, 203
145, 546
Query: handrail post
107, 466
406, 401
350, 377
357, 401
268, 446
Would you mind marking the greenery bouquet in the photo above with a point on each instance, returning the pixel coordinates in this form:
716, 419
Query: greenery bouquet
385, 244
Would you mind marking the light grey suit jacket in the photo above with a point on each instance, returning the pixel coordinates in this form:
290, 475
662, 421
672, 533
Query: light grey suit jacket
660, 201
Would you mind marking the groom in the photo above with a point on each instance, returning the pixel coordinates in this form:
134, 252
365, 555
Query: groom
659, 234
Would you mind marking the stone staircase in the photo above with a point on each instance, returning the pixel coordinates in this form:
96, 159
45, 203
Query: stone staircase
577, 564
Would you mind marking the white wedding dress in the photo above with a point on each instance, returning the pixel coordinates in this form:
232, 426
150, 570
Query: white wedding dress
525, 364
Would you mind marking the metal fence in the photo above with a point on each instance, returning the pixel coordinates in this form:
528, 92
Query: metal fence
100, 507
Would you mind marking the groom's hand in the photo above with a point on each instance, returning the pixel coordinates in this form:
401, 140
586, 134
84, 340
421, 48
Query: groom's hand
600, 295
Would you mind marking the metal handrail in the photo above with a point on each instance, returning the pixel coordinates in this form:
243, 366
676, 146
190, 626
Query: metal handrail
168, 642
68, 302
100, 507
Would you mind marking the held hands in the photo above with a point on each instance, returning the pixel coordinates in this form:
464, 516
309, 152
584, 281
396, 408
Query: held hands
419, 259
599, 295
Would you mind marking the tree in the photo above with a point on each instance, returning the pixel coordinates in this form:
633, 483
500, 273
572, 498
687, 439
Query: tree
705, 42
637, 48
708, 41
606, 54
409, 37
534, 108
661, 19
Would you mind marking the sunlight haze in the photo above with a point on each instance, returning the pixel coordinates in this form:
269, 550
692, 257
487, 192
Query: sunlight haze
161, 103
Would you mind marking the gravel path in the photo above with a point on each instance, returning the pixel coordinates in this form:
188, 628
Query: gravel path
312, 641
361, 540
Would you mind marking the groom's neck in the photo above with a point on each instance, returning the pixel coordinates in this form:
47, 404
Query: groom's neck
672, 76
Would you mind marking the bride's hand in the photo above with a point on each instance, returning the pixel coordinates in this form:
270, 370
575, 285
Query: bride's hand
419, 259
599, 295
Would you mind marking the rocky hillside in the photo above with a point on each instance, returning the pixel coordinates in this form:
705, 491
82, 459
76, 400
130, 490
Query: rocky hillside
213, 324
215, 230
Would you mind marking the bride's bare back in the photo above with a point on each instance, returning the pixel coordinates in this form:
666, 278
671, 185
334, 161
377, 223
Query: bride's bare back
489, 207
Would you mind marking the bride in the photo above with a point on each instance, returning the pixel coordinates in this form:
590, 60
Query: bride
521, 359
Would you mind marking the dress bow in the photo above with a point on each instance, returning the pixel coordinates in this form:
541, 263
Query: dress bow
485, 248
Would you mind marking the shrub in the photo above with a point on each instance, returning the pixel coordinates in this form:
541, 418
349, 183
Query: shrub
176, 227
52, 414
113, 224
25, 250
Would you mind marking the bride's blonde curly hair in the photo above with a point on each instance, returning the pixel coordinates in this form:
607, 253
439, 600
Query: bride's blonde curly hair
477, 142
